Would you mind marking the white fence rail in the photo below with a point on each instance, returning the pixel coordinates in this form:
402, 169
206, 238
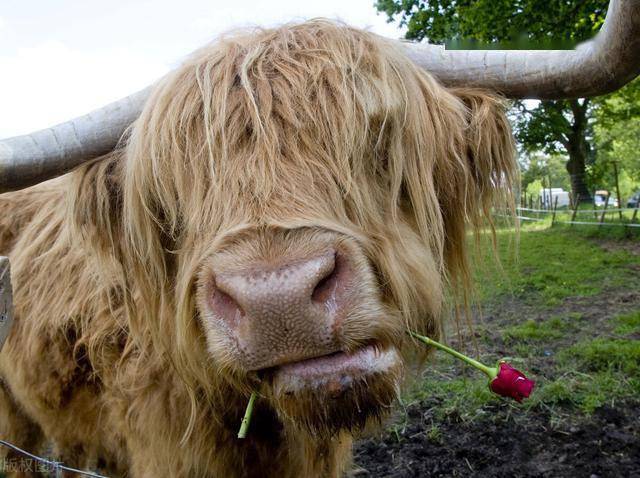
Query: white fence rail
599, 219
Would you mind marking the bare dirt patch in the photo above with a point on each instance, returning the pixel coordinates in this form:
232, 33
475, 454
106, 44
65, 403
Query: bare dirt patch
607, 444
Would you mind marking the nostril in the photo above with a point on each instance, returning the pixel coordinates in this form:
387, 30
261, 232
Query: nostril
225, 306
327, 284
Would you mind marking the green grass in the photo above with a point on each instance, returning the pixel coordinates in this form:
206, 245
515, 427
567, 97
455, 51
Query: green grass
583, 392
595, 372
434, 434
535, 331
461, 396
548, 266
579, 362
628, 323
598, 355
587, 375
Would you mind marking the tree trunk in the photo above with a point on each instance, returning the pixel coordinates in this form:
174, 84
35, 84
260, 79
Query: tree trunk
578, 150
577, 174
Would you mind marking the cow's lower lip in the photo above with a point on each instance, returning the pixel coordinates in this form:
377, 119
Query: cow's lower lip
335, 373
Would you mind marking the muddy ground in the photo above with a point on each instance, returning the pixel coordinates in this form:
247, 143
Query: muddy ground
607, 444
507, 441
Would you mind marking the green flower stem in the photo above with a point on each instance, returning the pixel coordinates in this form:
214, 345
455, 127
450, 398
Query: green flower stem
244, 426
492, 372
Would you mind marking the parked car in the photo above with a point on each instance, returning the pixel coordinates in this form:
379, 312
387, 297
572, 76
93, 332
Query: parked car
601, 197
634, 201
548, 197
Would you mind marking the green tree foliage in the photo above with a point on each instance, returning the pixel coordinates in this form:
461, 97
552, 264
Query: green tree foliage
494, 21
561, 127
617, 137
544, 168
556, 127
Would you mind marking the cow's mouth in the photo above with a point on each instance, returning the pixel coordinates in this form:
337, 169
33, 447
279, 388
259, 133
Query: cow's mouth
337, 391
335, 373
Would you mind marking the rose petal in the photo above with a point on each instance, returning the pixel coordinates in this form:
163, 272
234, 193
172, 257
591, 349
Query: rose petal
511, 383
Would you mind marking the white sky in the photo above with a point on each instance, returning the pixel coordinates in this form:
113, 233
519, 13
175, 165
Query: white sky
63, 58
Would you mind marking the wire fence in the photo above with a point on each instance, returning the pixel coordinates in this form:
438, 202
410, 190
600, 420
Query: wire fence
591, 211
37, 464
626, 217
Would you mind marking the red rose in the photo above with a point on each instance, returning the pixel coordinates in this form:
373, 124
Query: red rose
511, 383
504, 379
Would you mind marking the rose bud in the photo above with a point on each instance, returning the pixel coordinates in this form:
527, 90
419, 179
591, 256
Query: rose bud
504, 379
511, 383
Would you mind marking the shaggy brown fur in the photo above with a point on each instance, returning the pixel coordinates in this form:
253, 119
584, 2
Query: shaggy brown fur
278, 137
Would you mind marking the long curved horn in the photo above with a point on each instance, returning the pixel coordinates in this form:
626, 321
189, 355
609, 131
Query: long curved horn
36, 157
598, 66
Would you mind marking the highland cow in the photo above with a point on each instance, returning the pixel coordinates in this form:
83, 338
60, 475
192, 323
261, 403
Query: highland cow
287, 205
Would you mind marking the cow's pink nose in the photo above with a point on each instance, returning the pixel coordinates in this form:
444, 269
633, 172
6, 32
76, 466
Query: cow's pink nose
283, 312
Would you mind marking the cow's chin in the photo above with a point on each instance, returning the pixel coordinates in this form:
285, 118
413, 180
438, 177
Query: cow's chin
337, 392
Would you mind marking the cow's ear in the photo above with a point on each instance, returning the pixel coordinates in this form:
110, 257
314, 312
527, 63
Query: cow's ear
490, 147
486, 181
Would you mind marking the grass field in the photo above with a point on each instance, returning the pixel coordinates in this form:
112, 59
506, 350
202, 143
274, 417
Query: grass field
553, 309
563, 305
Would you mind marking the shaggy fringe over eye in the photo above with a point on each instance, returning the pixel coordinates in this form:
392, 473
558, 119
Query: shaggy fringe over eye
317, 125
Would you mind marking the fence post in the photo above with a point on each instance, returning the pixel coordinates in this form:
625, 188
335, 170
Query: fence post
575, 211
615, 171
635, 213
6, 300
604, 211
555, 207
